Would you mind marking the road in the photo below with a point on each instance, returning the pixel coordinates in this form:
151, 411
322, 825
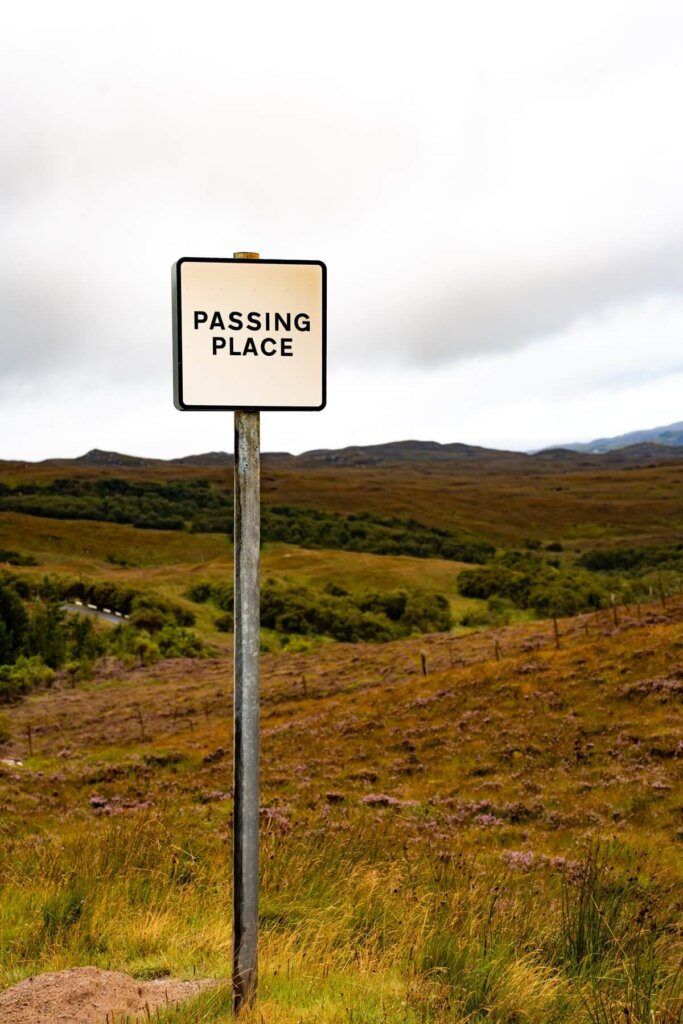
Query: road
104, 614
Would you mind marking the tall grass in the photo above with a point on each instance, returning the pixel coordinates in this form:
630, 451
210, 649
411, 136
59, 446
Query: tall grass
355, 925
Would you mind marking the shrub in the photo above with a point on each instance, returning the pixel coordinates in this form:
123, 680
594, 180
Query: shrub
15, 558
47, 637
13, 625
370, 616
78, 670
149, 619
225, 623
25, 675
223, 595
546, 589
176, 642
199, 592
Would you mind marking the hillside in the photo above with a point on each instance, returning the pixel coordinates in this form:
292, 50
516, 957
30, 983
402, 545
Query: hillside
501, 497
422, 797
671, 436
412, 824
641, 447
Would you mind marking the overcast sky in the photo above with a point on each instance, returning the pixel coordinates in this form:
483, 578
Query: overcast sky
495, 188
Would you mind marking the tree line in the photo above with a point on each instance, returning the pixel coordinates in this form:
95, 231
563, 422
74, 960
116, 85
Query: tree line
38, 636
289, 607
200, 506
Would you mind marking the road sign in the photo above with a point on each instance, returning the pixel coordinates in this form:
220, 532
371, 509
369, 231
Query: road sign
249, 334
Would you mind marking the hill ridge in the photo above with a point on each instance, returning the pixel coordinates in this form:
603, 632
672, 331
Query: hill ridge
391, 453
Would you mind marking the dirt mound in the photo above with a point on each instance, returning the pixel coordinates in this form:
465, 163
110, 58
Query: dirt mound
88, 995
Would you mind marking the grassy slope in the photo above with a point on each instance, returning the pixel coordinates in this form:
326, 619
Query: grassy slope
503, 772
462, 900
547, 501
169, 562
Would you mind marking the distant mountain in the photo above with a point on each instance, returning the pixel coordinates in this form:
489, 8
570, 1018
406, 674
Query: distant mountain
671, 436
97, 457
425, 456
415, 452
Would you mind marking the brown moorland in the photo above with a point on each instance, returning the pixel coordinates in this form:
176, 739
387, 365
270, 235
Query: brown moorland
473, 827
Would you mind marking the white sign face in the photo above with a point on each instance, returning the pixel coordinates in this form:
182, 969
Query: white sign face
249, 334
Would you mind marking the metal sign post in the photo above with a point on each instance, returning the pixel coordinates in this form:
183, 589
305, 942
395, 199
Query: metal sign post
248, 336
247, 541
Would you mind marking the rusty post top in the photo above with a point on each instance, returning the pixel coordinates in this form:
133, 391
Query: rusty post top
246, 256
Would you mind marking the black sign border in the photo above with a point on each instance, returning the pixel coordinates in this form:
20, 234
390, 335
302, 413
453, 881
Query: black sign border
178, 343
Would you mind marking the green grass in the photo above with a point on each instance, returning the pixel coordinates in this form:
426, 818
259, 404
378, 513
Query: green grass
347, 927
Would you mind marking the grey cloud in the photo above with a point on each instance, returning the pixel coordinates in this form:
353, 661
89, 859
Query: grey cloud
502, 316
38, 328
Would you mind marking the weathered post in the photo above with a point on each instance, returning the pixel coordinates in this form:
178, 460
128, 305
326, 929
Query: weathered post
248, 335
247, 541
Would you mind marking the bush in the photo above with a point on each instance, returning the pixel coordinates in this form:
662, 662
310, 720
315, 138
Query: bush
526, 582
223, 594
149, 619
176, 642
199, 592
169, 609
47, 636
78, 671
13, 625
15, 558
225, 623
633, 559
25, 675
370, 616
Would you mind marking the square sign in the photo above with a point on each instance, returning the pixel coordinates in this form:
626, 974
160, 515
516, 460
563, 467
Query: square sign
249, 334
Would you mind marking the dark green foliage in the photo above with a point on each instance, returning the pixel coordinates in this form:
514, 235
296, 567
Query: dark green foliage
498, 612
528, 582
23, 588
364, 532
85, 642
153, 506
103, 595
288, 607
42, 636
22, 677
126, 600
292, 608
47, 638
172, 613
223, 596
176, 642
14, 558
198, 506
199, 592
13, 625
633, 559
171, 641
149, 619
